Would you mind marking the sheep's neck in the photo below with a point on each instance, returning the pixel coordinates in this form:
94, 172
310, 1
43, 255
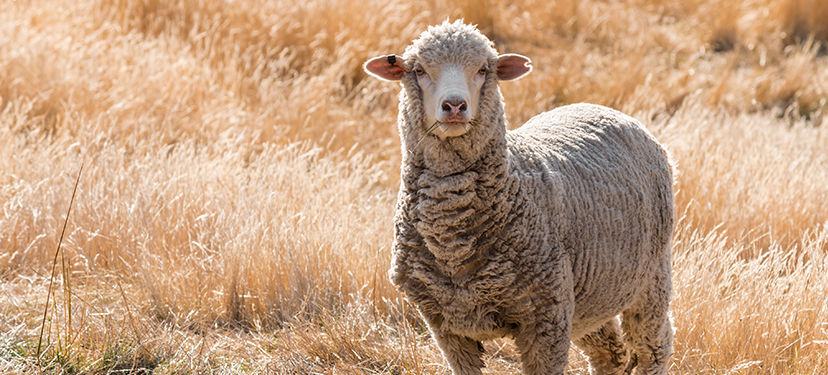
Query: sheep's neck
459, 215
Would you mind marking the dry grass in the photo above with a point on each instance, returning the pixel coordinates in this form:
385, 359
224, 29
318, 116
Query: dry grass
234, 213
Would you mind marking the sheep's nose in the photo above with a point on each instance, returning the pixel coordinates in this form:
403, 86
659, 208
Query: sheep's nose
454, 105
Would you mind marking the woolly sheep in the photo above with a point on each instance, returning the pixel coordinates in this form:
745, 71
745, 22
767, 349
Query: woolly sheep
545, 234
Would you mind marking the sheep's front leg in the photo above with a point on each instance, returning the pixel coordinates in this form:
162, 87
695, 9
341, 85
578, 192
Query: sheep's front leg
544, 342
462, 353
544, 347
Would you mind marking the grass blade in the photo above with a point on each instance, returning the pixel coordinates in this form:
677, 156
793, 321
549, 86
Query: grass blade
427, 132
54, 266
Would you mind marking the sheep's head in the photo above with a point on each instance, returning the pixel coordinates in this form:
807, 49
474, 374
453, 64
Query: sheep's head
450, 65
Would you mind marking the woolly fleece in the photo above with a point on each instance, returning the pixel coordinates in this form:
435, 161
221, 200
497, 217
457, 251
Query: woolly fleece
557, 231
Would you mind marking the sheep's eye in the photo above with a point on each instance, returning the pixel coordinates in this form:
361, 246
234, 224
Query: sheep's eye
483, 70
419, 71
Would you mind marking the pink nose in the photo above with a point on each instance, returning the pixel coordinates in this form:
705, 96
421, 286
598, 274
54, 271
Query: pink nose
454, 105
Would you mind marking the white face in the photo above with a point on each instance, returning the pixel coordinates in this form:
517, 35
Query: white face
450, 95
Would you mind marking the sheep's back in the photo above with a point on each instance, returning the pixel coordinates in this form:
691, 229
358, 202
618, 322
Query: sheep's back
603, 185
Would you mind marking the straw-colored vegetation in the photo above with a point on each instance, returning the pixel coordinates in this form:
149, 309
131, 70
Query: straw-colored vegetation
240, 171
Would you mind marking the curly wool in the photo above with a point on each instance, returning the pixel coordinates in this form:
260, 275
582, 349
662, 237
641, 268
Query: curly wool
544, 234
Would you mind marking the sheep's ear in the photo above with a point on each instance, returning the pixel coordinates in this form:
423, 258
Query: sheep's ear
512, 66
389, 68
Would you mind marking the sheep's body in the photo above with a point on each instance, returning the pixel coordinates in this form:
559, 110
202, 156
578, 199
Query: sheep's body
545, 234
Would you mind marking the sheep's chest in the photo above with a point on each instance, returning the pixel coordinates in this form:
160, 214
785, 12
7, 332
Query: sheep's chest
458, 271
467, 313
476, 300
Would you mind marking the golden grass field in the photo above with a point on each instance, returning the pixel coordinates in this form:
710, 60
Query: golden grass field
240, 170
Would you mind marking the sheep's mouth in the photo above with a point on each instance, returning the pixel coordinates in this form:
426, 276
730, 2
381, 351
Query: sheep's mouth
454, 128
448, 128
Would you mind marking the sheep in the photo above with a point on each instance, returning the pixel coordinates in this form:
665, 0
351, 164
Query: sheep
556, 232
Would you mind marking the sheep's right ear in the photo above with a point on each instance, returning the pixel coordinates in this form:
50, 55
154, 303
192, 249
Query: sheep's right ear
389, 68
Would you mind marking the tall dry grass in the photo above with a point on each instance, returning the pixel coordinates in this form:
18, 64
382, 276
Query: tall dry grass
240, 175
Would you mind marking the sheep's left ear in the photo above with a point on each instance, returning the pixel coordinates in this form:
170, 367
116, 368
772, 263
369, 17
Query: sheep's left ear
512, 66
389, 68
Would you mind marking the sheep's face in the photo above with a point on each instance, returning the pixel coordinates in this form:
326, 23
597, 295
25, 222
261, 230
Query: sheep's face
450, 93
449, 68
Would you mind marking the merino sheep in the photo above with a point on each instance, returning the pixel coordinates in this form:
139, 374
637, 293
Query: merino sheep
546, 234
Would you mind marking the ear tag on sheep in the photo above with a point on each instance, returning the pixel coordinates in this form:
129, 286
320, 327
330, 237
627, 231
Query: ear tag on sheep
389, 68
512, 66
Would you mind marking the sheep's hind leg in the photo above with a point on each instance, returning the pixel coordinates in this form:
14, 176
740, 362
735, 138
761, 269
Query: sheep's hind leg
462, 353
605, 350
647, 328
